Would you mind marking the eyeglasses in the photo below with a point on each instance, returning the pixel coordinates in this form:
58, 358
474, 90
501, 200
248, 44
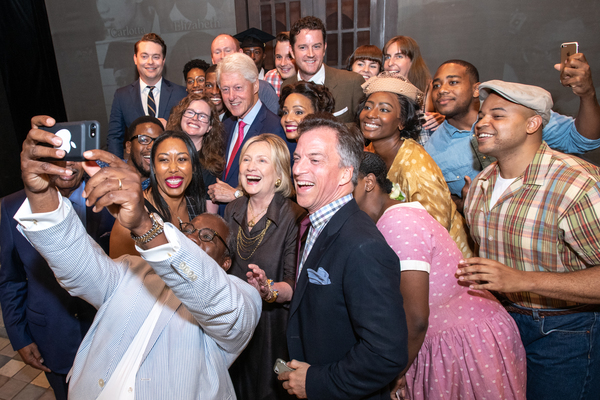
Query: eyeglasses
144, 140
204, 234
199, 79
189, 113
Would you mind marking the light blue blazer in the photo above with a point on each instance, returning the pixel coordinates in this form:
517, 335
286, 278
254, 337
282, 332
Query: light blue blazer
200, 332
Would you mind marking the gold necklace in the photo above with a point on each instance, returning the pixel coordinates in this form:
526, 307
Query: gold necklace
245, 243
251, 222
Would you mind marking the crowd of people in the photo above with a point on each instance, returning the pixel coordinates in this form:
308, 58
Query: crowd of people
386, 231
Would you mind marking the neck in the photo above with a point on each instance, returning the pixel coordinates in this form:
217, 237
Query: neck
388, 149
177, 206
197, 140
67, 192
465, 121
152, 82
307, 77
260, 202
377, 203
513, 164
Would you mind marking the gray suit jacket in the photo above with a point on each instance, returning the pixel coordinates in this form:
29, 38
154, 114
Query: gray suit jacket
206, 323
345, 87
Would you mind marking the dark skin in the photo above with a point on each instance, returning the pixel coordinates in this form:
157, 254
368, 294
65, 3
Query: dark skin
414, 285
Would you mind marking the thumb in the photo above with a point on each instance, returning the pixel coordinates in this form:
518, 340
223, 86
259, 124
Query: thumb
219, 181
557, 66
467, 179
294, 364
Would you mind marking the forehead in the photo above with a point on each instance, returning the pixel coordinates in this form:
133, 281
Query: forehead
148, 129
451, 70
195, 72
211, 221
384, 97
172, 144
309, 36
232, 78
253, 48
199, 105
394, 48
222, 42
297, 99
322, 140
261, 148
211, 76
149, 48
282, 48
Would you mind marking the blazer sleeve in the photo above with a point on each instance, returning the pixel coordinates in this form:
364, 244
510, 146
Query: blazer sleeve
227, 308
13, 284
372, 295
81, 266
116, 127
268, 96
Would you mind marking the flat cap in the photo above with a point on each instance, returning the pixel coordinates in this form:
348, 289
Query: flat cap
533, 97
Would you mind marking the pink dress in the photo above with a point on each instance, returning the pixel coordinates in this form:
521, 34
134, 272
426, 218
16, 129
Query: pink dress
472, 349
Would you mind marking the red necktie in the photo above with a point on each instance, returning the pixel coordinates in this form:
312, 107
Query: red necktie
237, 146
304, 225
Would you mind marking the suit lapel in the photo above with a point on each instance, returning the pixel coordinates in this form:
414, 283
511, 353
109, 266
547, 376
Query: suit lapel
320, 248
330, 81
165, 95
134, 93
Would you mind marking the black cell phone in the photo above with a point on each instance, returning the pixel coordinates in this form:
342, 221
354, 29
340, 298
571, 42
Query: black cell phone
78, 137
567, 50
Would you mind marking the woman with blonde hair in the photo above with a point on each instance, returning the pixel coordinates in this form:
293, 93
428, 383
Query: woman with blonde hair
265, 224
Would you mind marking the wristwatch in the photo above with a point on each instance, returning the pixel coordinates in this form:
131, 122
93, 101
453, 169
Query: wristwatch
158, 227
238, 193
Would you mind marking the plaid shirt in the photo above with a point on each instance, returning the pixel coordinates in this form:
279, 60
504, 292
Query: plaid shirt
319, 220
275, 80
547, 220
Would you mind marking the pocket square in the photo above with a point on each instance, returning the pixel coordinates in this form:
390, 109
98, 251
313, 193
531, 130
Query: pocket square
318, 277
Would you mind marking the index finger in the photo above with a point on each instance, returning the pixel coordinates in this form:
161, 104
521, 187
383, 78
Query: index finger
42, 120
91, 167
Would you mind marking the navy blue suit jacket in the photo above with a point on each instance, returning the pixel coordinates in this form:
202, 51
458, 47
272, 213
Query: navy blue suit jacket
265, 122
35, 307
350, 324
127, 107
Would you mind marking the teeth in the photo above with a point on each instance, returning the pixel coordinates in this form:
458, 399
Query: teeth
370, 125
174, 181
304, 183
253, 178
484, 135
147, 157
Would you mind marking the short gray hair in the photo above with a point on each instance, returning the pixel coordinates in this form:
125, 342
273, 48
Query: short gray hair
350, 141
238, 63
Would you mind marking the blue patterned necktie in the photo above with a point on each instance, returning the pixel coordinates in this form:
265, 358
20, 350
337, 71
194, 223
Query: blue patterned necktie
151, 103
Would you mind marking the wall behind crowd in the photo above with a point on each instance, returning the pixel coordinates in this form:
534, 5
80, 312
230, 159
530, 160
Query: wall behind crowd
512, 40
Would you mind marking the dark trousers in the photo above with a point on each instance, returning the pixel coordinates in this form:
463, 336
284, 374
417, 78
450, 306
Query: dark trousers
59, 384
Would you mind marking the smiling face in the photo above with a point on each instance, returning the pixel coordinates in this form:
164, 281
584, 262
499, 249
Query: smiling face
214, 248
366, 68
195, 81
238, 94
284, 62
193, 126
66, 184
318, 176
309, 52
502, 127
172, 167
380, 117
212, 89
257, 54
295, 109
453, 91
139, 154
149, 61
222, 46
257, 170
396, 61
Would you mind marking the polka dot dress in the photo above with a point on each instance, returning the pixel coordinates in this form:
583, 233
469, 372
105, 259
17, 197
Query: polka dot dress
472, 349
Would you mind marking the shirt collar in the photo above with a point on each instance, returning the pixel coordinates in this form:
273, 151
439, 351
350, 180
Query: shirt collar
156, 87
249, 118
325, 213
452, 130
318, 78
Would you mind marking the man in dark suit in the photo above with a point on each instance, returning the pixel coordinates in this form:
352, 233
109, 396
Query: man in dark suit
44, 323
238, 79
150, 95
308, 39
347, 329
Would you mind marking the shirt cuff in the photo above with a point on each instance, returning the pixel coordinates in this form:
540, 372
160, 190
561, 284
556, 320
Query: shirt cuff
30, 221
164, 251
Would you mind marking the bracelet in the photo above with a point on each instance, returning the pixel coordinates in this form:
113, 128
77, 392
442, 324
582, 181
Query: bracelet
157, 229
273, 294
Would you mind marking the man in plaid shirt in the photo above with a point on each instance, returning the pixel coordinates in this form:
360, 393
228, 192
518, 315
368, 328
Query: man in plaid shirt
285, 65
535, 216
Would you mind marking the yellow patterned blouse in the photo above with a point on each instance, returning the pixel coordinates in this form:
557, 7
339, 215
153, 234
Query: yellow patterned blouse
420, 179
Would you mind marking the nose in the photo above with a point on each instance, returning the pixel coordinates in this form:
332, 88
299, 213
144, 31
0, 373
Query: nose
310, 52
444, 87
371, 114
173, 167
481, 123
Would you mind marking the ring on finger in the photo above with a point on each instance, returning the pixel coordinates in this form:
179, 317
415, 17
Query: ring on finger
120, 184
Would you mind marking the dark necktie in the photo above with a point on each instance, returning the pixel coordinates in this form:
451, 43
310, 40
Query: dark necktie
151, 103
304, 228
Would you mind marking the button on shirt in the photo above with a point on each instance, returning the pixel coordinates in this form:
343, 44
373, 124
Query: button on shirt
144, 90
452, 151
319, 220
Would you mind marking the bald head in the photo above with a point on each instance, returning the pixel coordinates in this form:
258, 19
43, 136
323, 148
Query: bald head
222, 46
211, 233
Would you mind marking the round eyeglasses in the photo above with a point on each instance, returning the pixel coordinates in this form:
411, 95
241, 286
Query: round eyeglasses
189, 113
204, 234
144, 140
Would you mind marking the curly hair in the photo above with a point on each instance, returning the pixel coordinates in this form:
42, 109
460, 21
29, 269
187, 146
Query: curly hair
373, 164
320, 97
213, 145
195, 63
311, 23
195, 195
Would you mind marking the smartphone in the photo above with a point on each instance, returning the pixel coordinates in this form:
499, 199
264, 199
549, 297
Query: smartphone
77, 138
567, 50
281, 366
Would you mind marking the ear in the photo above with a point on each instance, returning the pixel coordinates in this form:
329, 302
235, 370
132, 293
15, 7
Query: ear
346, 176
476, 89
226, 264
135, 59
370, 182
128, 149
534, 124
325, 48
256, 86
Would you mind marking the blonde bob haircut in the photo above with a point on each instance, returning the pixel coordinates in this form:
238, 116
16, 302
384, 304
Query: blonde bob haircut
237, 63
280, 157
